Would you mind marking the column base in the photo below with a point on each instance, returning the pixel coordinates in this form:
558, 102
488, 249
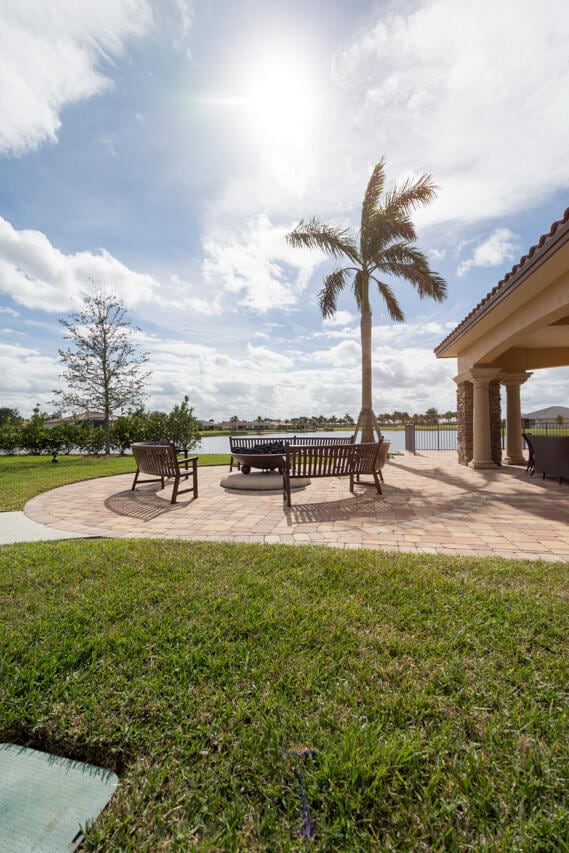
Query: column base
515, 460
482, 463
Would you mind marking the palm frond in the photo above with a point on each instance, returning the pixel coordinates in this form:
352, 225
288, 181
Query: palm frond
400, 252
411, 194
373, 193
408, 262
391, 303
328, 296
384, 230
313, 234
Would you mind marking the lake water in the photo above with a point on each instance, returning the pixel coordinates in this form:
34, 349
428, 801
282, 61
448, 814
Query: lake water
220, 443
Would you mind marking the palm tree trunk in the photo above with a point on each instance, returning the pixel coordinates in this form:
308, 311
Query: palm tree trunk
367, 421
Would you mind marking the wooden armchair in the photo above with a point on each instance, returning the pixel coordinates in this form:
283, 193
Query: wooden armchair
160, 460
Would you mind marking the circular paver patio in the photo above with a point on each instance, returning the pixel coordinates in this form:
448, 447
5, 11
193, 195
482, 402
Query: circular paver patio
430, 504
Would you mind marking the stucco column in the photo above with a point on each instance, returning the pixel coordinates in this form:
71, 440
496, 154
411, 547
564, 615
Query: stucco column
482, 434
514, 445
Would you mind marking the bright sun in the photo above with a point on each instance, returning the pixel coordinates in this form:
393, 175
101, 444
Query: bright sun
280, 100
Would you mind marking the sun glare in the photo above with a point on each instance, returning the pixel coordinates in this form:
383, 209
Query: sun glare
280, 101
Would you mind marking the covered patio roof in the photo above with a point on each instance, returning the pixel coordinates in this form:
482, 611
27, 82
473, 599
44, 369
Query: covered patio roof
523, 323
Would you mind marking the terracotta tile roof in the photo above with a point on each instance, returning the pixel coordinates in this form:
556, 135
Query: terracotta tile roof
558, 230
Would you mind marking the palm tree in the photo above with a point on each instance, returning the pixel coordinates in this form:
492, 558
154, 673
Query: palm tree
385, 248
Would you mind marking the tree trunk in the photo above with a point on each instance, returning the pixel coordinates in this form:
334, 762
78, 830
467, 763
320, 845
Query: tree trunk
107, 429
367, 421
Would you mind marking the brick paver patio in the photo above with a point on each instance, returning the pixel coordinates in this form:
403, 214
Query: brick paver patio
430, 504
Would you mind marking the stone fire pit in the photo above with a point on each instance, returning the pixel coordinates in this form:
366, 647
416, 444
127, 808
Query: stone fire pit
268, 456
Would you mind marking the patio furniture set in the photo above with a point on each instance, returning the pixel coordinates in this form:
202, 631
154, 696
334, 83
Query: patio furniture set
250, 453
548, 455
293, 459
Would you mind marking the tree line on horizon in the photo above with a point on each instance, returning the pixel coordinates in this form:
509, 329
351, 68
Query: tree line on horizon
37, 436
395, 418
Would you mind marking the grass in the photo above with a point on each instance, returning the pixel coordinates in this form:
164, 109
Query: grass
24, 477
434, 691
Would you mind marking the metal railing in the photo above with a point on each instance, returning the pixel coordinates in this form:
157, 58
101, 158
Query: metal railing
430, 437
545, 427
444, 436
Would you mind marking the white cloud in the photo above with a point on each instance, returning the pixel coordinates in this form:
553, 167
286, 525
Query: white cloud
268, 360
28, 377
502, 245
344, 353
263, 381
254, 260
182, 298
545, 388
37, 275
50, 56
473, 93
256, 380
340, 318
436, 254
343, 333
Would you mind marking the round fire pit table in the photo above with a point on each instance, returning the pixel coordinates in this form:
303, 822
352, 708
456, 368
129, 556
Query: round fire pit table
269, 456
265, 461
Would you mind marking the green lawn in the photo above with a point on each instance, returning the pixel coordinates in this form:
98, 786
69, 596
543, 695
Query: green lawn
434, 691
23, 477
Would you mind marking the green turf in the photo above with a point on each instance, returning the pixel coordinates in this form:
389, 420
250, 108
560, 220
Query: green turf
434, 691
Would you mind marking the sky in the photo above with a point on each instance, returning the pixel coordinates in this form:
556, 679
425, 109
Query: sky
161, 150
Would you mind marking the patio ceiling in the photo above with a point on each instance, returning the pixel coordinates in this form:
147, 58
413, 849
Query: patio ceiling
523, 323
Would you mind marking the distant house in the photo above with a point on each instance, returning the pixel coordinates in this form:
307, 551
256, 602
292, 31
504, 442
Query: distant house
235, 425
95, 418
551, 413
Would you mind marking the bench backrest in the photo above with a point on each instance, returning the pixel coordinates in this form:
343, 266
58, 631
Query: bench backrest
156, 458
332, 460
245, 443
383, 453
317, 441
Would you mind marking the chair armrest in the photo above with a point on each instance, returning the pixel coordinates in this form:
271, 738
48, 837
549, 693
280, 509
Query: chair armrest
185, 459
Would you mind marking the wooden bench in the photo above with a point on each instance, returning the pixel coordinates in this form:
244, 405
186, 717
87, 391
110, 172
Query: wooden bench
250, 444
160, 460
331, 460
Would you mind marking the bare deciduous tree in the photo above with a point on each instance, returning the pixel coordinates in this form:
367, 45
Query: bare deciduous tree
104, 366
